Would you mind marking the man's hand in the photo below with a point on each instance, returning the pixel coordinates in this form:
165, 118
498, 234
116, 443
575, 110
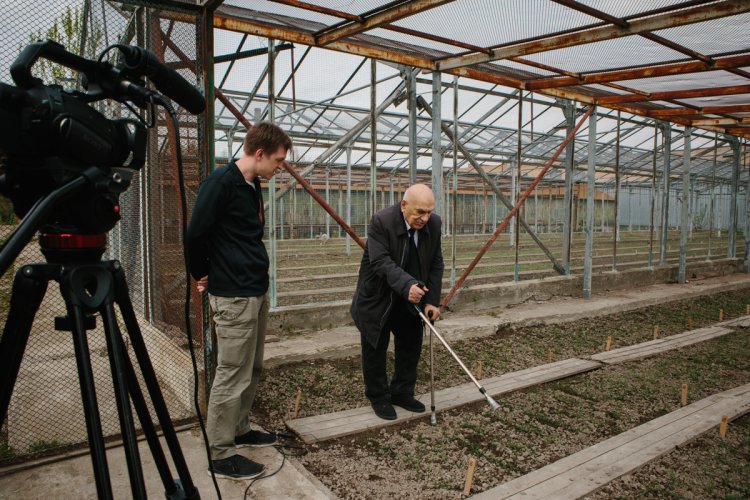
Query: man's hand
431, 312
202, 284
416, 293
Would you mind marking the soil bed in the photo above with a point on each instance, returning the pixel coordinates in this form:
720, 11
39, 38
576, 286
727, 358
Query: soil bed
540, 425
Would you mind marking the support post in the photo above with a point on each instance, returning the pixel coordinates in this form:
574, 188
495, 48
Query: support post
652, 206
591, 184
437, 156
666, 152
732, 227
685, 209
373, 139
348, 197
272, 182
411, 94
570, 115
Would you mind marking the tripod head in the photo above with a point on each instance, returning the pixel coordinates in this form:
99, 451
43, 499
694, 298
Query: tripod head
65, 164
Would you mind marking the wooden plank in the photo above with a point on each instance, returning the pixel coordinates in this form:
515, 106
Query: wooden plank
658, 346
584, 472
332, 425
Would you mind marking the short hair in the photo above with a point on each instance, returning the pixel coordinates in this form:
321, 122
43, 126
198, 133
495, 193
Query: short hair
265, 136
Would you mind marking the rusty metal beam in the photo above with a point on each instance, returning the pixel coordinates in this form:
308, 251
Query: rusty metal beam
258, 28
706, 110
385, 16
634, 27
647, 72
720, 121
675, 94
321, 10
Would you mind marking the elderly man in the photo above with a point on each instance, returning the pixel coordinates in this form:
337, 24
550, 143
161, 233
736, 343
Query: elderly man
402, 266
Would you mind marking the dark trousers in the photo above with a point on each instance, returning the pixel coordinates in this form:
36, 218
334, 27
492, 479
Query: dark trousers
407, 336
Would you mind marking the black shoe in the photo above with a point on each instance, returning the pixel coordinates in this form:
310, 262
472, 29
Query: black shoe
384, 410
236, 467
255, 438
407, 402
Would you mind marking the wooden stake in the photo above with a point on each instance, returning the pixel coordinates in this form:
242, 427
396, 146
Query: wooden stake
469, 476
721, 314
609, 343
690, 322
549, 355
684, 394
723, 426
297, 401
478, 370
747, 309
656, 332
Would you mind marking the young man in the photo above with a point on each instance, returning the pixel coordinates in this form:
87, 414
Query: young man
403, 250
227, 257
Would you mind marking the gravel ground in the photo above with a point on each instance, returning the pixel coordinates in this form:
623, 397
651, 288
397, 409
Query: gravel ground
541, 425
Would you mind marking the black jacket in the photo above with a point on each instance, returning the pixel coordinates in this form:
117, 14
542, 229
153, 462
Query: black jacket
382, 279
225, 235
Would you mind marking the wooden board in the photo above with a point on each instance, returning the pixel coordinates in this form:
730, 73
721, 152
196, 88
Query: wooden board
332, 425
584, 472
658, 346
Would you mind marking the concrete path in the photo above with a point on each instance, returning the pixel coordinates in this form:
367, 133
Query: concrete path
74, 478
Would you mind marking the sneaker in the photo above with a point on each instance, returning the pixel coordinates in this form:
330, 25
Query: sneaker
384, 410
255, 438
407, 402
236, 467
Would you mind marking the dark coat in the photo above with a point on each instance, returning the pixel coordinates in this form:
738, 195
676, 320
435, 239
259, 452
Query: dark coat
382, 279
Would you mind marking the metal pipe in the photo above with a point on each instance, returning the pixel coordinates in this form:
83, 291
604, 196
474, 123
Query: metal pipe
493, 404
272, 181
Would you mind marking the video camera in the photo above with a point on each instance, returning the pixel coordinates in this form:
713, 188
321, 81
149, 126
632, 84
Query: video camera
50, 135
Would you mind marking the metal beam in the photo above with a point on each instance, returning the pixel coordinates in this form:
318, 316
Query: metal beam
635, 73
706, 110
675, 94
387, 15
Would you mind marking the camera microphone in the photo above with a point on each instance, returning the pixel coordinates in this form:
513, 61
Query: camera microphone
143, 62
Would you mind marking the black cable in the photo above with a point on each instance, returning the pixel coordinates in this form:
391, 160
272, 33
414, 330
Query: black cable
280, 449
188, 330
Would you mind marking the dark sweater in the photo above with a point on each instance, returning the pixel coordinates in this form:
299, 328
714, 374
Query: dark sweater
225, 235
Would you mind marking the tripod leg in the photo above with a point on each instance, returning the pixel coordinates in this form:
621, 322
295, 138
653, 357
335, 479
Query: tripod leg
122, 298
29, 287
122, 386
88, 395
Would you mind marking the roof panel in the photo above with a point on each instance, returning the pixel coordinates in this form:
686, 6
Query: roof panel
705, 79
627, 8
608, 54
487, 23
717, 36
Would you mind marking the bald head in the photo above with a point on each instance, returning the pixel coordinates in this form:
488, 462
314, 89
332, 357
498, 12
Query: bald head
417, 205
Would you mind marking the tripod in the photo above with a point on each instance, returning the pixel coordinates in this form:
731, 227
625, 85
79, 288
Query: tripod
89, 285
